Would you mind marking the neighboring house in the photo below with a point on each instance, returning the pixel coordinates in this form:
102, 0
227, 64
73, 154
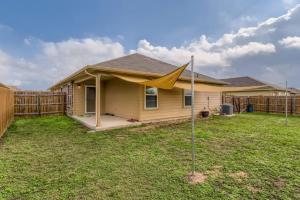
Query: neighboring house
262, 88
13, 88
295, 91
110, 88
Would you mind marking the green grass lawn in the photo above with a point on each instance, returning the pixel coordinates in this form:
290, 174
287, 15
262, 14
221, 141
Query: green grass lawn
250, 156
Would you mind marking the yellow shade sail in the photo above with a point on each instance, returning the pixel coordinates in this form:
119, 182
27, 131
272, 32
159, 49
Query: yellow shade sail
200, 87
167, 81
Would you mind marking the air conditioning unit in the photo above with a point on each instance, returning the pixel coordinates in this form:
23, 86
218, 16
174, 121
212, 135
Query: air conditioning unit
227, 109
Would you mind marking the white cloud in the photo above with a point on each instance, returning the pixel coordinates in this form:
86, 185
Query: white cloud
4, 27
15, 71
203, 52
289, 3
291, 42
252, 48
248, 18
27, 41
70, 55
56, 60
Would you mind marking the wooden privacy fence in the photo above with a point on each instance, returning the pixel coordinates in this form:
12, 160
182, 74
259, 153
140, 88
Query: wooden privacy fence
30, 103
6, 108
269, 104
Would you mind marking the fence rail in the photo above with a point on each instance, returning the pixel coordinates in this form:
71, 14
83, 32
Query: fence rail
6, 108
269, 104
30, 103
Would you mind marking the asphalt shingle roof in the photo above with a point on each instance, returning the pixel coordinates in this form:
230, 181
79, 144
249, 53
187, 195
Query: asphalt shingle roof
244, 81
144, 64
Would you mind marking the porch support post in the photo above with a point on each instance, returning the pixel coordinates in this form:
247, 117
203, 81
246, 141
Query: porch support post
98, 103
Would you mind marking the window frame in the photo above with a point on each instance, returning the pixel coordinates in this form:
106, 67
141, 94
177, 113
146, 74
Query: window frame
184, 95
145, 99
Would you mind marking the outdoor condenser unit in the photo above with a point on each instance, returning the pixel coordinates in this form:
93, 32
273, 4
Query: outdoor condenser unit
227, 109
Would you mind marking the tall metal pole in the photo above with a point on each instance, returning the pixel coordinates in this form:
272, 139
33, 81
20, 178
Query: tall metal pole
193, 116
286, 103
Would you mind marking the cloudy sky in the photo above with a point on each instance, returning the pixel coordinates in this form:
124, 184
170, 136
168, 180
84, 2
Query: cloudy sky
43, 41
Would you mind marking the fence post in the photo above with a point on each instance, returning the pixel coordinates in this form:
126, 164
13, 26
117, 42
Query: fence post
39, 104
239, 102
233, 103
276, 100
268, 104
293, 104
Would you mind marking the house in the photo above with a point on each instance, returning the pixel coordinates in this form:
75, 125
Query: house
13, 88
111, 88
261, 88
295, 91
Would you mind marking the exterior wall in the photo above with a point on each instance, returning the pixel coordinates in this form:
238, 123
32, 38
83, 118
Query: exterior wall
79, 97
210, 101
171, 104
125, 99
122, 98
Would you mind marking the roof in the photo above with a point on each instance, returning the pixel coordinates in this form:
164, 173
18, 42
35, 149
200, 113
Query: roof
243, 82
2, 85
247, 81
138, 64
145, 64
13, 87
295, 91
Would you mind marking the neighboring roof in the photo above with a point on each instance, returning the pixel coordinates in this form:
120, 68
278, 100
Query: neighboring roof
243, 82
2, 85
13, 87
247, 81
295, 91
138, 64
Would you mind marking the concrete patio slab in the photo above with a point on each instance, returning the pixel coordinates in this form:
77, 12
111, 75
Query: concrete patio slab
107, 122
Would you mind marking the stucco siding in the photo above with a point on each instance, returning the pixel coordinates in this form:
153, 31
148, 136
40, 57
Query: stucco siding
122, 98
171, 104
210, 101
79, 97
125, 99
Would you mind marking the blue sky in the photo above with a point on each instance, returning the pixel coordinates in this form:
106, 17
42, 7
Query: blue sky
43, 41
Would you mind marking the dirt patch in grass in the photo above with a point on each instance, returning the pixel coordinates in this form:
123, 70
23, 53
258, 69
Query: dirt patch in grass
215, 171
252, 189
279, 183
239, 176
196, 178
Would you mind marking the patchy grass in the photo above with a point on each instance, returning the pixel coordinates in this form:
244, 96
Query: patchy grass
250, 156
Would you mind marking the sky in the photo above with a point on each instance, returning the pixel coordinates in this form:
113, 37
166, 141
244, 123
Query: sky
41, 42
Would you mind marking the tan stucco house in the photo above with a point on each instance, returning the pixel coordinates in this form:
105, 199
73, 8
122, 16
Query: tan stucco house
110, 88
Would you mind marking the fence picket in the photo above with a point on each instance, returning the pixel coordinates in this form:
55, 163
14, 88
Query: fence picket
272, 104
6, 108
28, 103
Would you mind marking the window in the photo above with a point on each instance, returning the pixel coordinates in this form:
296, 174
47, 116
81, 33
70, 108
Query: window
151, 97
187, 98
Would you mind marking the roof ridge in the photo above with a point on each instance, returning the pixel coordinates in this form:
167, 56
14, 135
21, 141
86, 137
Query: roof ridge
133, 54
